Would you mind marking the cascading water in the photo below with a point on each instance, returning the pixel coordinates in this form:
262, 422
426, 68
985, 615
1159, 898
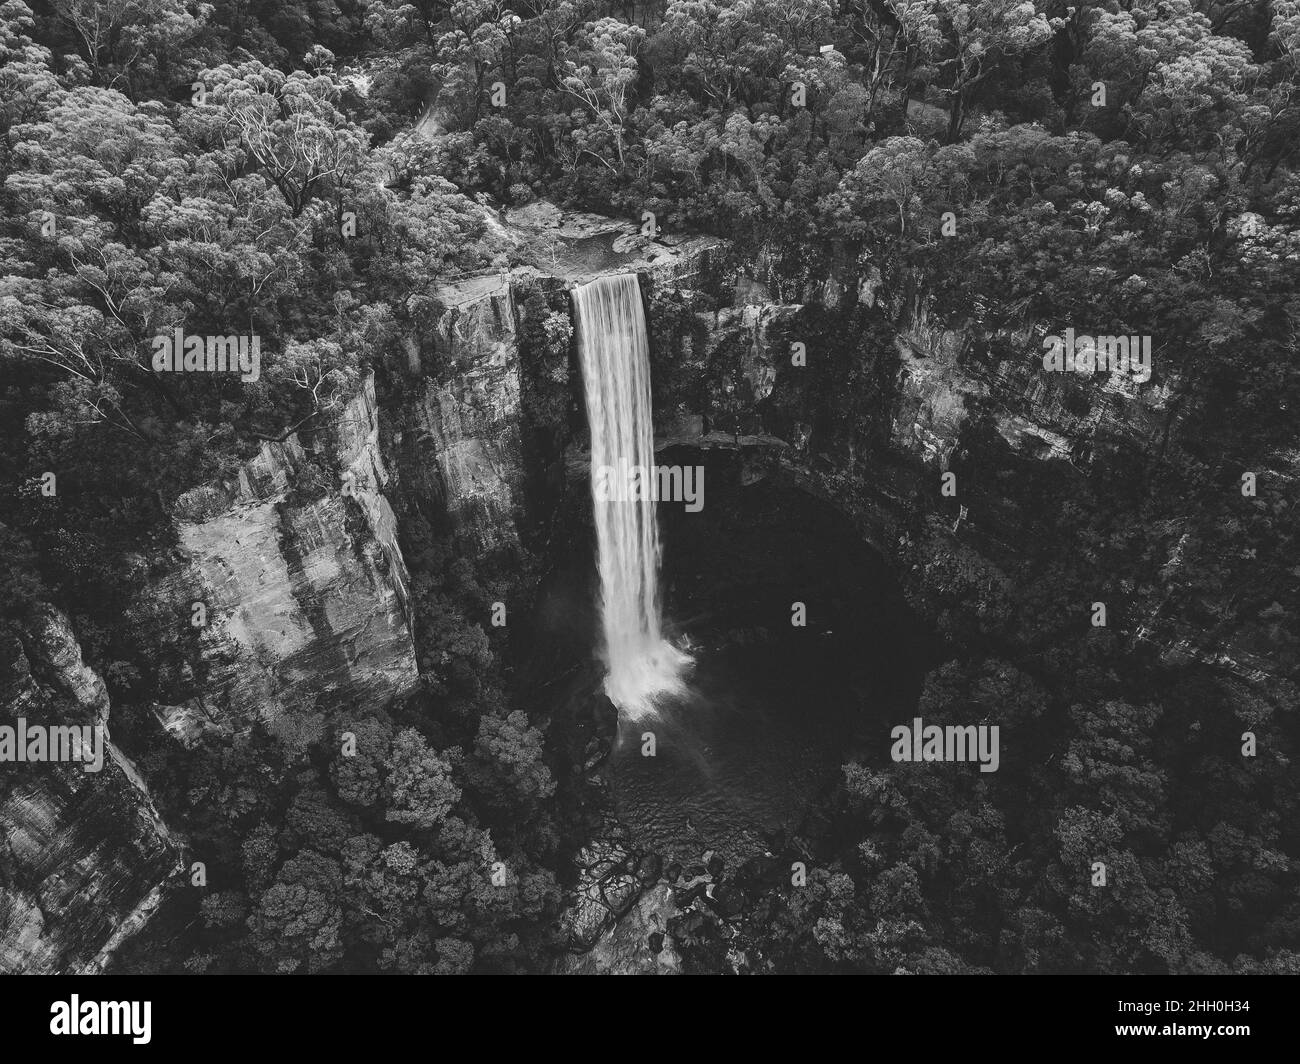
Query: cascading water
644, 668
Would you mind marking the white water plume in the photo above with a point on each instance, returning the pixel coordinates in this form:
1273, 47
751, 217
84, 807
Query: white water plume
644, 668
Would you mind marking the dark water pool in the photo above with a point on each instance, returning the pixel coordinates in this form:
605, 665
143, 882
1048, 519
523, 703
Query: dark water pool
737, 762
773, 708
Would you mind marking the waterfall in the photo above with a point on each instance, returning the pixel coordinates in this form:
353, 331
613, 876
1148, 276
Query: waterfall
643, 666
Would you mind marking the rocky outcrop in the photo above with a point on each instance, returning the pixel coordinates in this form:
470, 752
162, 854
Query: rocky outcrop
1041, 415
84, 856
578, 247
638, 944
608, 886
57, 660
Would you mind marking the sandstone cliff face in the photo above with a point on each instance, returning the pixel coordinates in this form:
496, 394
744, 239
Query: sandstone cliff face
467, 420
293, 573
366, 479
84, 856
1041, 415
939, 383
301, 585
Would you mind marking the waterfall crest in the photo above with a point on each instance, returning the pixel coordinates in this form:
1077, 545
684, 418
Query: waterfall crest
643, 666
